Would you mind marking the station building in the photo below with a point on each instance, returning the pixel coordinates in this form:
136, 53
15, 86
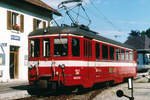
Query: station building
17, 19
142, 45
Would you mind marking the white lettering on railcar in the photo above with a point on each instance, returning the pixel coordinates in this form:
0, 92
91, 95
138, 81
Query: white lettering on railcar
77, 71
98, 70
76, 77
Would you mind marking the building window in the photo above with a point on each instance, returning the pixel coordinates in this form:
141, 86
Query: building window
97, 50
37, 24
46, 47
15, 21
111, 53
105, 52
2, 56
75, 47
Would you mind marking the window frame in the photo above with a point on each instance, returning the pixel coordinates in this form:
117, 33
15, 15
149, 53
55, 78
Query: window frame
39, 23
15, 21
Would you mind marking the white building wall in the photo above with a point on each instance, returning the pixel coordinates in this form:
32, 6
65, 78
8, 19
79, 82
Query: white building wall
5, 37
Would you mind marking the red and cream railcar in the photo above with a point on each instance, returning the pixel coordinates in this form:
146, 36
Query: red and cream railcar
72, 56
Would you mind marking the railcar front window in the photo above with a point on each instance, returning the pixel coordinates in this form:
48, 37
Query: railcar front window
60, 47
35, 48
46, 47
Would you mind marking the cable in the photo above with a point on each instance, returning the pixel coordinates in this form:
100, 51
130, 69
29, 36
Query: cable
110, 22
86, 15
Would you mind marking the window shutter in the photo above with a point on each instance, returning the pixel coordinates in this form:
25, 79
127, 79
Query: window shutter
44, 24
34, 24
9, 20
21, 23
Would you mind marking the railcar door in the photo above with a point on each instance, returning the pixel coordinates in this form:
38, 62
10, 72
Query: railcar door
88, 63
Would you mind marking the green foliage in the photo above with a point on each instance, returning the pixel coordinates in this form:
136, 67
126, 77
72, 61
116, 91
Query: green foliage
135, 33
148, 32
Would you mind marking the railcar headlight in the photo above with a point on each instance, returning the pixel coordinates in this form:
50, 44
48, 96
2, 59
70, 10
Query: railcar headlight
33, 64
30, 66
62, 66
57, 73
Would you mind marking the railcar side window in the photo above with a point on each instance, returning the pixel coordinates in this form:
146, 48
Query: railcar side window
105, 51
97, 50
117, 54
131, 55
46, 47
87, 49
60, 47
35, 48
90, 49
122, 54
111, 53
127, 55
75, 47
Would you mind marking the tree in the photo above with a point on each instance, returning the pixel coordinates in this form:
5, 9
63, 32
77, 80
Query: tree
148, 32
134, 33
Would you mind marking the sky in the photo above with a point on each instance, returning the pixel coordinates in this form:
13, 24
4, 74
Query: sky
113, 19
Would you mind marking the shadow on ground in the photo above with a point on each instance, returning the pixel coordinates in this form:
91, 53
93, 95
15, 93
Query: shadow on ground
21, 87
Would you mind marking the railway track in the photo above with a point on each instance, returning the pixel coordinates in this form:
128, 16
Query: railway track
66, 94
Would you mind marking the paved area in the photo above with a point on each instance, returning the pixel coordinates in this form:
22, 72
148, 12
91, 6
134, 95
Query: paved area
13, 89
141, 91
16, 89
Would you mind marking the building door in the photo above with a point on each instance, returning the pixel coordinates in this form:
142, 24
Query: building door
13, 65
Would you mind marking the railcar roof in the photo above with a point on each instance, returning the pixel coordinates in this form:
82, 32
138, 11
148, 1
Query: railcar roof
77, 31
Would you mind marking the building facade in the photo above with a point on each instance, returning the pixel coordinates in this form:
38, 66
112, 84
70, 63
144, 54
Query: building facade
142, 45
17, 19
